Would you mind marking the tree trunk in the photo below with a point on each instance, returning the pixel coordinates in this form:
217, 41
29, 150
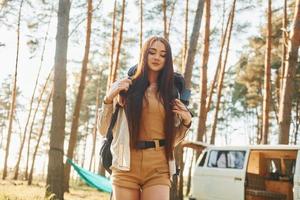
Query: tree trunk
79, 97
13, 97
284, 45
44, 166
186, 22
112, 52
101, 169
141, 24
30, 107
170, 20
32, 124
258, 130
55, 175
29, 139
39, 136
181, 166
267, 79
173, 190
188, 185
2, 135
95, 128
193, 45
116, 64
294, 138
213, 83
164, 9
288, 81
221, 79
188, 75
84, 138
203, 76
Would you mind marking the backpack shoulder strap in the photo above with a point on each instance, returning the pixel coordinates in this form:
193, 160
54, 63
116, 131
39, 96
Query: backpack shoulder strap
114, 117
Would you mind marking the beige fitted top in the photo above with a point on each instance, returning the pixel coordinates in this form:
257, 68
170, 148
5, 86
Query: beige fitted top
153, 116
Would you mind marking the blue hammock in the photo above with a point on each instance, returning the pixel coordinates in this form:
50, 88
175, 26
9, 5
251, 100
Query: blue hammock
93, 180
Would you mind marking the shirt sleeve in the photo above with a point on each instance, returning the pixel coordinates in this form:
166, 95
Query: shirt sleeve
104, 118
181, 131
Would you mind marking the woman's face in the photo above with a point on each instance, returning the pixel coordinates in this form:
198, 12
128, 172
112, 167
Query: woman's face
156, 56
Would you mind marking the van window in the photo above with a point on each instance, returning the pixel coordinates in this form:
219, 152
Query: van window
226, 159
274, 168
290, 165
201, 164
278, 170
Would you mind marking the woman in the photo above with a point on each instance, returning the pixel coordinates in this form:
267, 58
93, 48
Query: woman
150, 123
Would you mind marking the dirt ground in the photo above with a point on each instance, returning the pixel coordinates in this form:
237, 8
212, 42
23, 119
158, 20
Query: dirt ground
19, 190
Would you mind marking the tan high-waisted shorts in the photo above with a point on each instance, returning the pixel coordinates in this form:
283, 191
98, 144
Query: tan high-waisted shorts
148, 167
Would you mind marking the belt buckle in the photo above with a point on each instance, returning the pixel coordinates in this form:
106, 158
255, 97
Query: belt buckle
156, 142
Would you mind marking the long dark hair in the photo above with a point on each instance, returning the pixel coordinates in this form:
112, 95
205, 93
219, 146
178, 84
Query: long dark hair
135, 95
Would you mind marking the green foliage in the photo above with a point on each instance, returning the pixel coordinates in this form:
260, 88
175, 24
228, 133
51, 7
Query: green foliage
250, 70
238, 94
249, 80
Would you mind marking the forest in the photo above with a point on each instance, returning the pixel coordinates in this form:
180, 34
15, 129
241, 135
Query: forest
239, 58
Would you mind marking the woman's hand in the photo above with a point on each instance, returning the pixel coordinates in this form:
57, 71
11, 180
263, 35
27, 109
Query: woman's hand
116, 87
182, 111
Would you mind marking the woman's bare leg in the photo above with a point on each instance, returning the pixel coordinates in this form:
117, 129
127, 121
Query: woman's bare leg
122, 193
157, 192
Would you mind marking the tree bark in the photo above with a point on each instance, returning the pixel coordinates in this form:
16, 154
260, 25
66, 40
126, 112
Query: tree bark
116, 64
193, 45
141, 24
84, 138
294, 139
288, 81
32, 124
39, 136
170, 20
267, 78
79, 97
112, 52
30, 131
213, 83
55, 175
95, 122
181, 166
188, 75
164, 9
30, 108
203, 76
284, 45
221, 78
101, 169
95, 129
186, 20
258, 130
188, 185
13, 97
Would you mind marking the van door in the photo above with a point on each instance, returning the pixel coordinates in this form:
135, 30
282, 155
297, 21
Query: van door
297, 178
222, 176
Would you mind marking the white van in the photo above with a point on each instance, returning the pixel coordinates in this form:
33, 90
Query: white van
261, 172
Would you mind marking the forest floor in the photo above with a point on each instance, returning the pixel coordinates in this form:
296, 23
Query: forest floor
19, 190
